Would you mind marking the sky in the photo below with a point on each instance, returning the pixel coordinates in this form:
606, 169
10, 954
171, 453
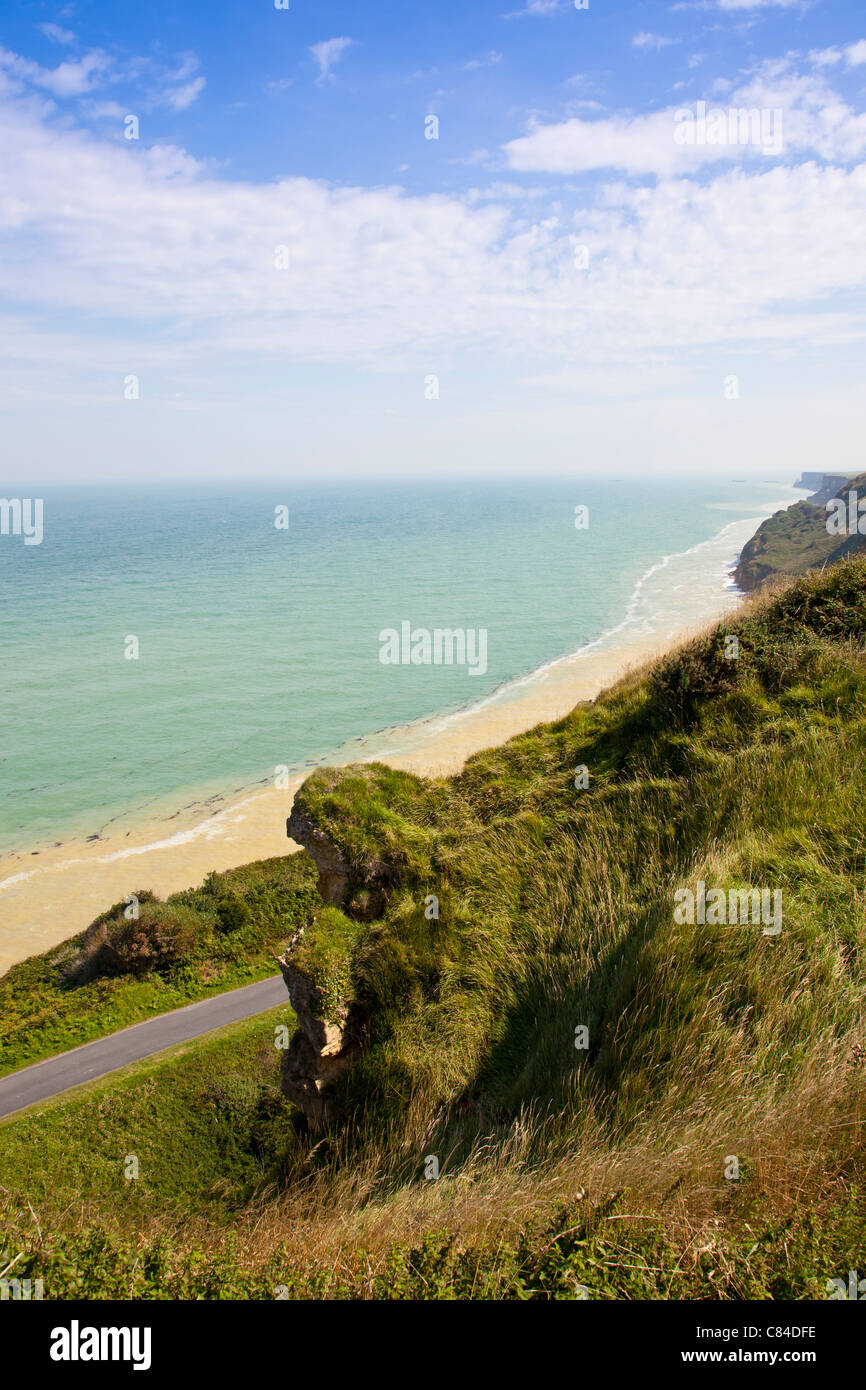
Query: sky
431, 237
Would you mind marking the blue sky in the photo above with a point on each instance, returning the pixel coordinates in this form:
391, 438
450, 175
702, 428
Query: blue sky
264, 133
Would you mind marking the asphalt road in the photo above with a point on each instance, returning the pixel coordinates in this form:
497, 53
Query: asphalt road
43, 1079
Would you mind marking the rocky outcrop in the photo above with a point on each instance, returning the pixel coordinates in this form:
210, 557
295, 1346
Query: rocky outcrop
360, 888
317, 965
321, 1048
334, 872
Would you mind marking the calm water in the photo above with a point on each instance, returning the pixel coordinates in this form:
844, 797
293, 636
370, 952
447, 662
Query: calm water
260, 646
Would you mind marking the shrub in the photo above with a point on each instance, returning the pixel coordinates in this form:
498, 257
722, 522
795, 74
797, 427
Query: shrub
232, 913
157, 940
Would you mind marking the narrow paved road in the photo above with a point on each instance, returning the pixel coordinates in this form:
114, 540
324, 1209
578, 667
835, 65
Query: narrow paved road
49, 1078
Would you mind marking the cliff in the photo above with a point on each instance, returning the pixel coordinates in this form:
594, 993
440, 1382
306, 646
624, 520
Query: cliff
317, 970
823, 486
505, 943
796, 539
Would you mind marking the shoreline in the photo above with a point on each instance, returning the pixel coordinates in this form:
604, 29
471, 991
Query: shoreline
44, 903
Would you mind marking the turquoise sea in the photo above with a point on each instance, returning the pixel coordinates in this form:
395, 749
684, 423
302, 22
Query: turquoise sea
259, 646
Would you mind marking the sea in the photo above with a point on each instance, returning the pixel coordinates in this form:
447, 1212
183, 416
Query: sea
166, 642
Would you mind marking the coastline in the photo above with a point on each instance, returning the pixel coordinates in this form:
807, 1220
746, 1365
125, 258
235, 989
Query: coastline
49, 895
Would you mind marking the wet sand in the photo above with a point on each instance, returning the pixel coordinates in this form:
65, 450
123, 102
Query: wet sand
49, 896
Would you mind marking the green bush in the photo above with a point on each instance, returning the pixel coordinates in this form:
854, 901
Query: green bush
232, 913
160, 937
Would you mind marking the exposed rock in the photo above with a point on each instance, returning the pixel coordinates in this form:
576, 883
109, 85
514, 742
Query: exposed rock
328, 859
360, 889
322, 1046
320, 1049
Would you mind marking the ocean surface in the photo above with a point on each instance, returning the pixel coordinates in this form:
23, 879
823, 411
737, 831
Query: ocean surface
259, 647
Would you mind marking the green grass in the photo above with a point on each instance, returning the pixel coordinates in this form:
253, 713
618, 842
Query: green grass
198, 1118
200, 942
556, 904
594, 1252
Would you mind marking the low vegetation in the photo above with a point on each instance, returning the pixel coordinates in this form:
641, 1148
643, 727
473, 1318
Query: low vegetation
124, 969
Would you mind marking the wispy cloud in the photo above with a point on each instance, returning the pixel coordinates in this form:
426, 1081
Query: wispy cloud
752, 255
68, 80
179, 98
656, 41
487, 60
853, 56
327, 54
539, 8
762, 4
813, 116
53, 31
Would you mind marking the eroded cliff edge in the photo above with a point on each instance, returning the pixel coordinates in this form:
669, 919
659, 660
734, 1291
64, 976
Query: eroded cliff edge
318, 966
326, 1041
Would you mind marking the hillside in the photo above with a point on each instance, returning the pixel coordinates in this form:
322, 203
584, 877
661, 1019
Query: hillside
796, 539
616, 1098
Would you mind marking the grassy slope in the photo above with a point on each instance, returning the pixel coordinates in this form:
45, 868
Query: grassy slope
556, 904
794, 540
207, 1125
562, 1167
42, 1012
197, 1117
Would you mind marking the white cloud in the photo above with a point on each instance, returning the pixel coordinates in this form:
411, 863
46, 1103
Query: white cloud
53, 31
188, 66
656, 41
542, 8
487, 60
153, 263
179, 98
379, 277
105, 110
176, 88
327, 53
66, 80
813, 118
761, 4
635, 144
854, 55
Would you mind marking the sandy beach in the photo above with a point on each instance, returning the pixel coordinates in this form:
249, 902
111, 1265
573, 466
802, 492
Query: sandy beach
48, 895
